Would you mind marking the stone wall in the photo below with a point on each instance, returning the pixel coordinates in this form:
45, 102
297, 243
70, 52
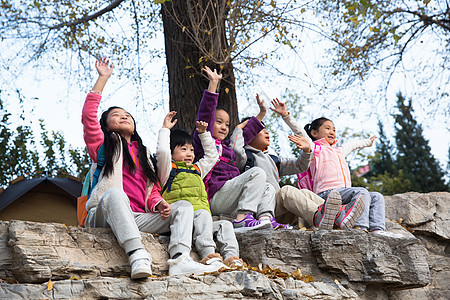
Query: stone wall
89, 264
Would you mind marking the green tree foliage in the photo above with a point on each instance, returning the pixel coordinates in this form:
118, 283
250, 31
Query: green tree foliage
372, 34
19, 154
413, 152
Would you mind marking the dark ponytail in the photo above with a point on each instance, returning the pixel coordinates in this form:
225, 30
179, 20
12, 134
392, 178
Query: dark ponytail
315, 125
111, 146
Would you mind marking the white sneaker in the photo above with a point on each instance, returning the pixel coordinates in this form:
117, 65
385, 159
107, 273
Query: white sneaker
186, 265
388, 234
217, 262
141, 265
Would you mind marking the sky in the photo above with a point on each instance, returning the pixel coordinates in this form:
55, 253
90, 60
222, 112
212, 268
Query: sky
60, 96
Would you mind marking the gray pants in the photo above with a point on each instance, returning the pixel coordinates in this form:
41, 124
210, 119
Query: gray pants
226, 239
113, 210
373, 217
246, 193
203, 233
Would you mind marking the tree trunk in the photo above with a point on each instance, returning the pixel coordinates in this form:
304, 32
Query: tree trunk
186, 80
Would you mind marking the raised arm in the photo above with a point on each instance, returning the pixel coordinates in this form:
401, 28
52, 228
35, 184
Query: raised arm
237, 143
104, 69
163, 155
292, 166
92, 132
281, 109
207, 162
349, 147
207, 109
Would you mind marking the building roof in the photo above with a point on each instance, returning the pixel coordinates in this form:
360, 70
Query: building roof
19, 188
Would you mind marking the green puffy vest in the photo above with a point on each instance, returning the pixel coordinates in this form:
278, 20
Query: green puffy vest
187, 186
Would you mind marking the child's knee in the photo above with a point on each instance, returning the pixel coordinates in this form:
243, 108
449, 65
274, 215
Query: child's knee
257, 173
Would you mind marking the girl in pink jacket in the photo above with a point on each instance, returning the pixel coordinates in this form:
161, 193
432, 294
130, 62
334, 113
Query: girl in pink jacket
329, 171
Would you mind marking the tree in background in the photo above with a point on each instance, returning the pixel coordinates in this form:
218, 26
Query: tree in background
19, 154
413, 152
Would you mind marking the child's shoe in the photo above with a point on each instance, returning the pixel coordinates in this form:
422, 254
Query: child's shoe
234, 262
277, 225
349, 213
326, 213
214, 259
141, 265
250, 223
184, 264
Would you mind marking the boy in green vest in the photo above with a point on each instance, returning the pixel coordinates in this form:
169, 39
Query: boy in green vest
186, 183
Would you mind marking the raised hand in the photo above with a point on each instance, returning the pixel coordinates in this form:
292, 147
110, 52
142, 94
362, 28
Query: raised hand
372, 139
242, 125
168, 123
214, 79
262, 108
301, 142
201, 126
104, 68
279, 107
164, 209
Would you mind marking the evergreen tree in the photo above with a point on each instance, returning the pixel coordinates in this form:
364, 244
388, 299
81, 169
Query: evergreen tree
414, 156
383, 160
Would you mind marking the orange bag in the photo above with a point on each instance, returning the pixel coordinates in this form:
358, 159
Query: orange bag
81, 209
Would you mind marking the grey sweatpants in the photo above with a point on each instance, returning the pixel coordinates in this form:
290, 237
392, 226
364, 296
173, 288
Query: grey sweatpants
246, 193
203, 233
373, 217
226, 239
113, 210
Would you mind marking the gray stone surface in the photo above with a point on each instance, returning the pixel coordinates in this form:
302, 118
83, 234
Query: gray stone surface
344, 264
230, 285
428, 216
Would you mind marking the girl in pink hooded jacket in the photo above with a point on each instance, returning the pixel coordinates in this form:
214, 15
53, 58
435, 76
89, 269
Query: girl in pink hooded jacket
330, 171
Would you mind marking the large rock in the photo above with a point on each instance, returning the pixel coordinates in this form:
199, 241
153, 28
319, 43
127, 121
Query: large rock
424, 213
428, 216
40, 251
354, 255
230, 285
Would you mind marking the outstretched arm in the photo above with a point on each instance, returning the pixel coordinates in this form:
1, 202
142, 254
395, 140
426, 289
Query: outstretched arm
104, 69
347, 148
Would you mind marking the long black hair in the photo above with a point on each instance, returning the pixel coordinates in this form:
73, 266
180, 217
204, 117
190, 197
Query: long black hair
315, 125
110, 145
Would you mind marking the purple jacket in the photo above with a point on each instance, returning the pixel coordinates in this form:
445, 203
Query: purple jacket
223, 171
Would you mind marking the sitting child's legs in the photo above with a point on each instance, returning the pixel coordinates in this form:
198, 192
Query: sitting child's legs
227, 243
113, 210
240, 195
240, 198
377, 212
351, 194
179, 224
292, 203
203, 233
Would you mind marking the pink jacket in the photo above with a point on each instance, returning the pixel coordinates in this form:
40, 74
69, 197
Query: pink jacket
134, 186
328, 166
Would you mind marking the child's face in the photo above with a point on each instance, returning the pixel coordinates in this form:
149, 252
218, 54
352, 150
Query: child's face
221, 125
184, 153
326, 131
120, 121
261, 141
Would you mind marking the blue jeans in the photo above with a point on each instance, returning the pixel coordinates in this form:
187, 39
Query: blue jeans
373, 217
